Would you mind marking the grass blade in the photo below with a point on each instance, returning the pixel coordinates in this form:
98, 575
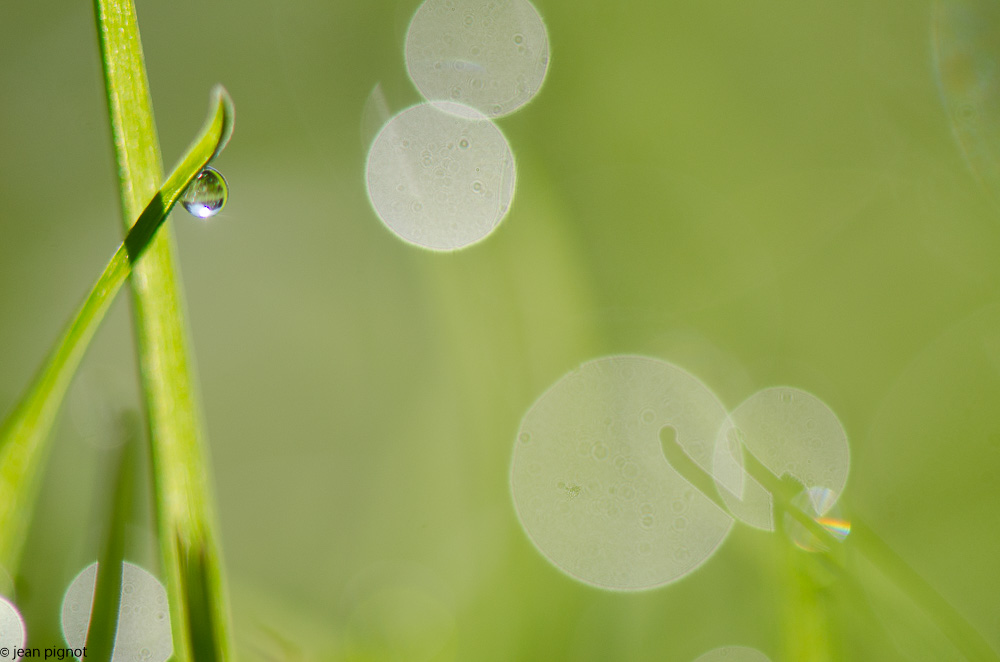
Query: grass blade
862, 540
103, 628
24, 434
183, 501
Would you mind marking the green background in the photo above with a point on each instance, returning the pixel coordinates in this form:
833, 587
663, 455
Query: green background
764, 193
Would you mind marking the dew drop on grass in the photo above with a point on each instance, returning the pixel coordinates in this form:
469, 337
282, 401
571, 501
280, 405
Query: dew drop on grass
820, 504
620, 539
143, 623
206, 195
12, 630
489, 43
733, 654
789, 431
461, 194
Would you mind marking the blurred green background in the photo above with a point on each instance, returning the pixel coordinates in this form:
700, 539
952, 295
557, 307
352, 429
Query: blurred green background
764, 193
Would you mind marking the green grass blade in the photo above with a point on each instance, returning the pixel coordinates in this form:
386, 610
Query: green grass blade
183, 501
25, 432
862, 540
103, 628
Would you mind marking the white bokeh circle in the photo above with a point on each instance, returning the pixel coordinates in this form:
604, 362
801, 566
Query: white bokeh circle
441, 180
143, 633
790, 431
591, 483
12, 631
491, 55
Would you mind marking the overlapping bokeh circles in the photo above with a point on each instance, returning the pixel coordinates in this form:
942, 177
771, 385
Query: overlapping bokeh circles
791, 432
441, 175
596, 493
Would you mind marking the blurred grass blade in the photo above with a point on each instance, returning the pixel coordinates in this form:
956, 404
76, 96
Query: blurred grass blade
103, 628
963, 636
862, 540
24, 434
182, 495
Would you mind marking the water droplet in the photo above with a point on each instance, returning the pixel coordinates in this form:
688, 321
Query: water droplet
646, 521
820, 504
772, 425
518, 38
524, 438
206, 195
599, 451
477, 186
648, 415
463, 143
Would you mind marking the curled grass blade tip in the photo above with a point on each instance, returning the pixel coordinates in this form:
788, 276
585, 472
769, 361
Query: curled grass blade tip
212, 140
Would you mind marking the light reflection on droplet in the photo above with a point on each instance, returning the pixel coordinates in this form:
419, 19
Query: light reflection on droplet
617, 532
12, 630
820, 504
490, 56
206, 195
789, 431
143, 620
733, 654
967, 59
441, 180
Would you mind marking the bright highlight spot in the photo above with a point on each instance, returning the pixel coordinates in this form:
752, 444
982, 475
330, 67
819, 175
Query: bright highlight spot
12, 631
143, 621
491, 56
820, 504
733, 654
789, 431
441, 180
591, 484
